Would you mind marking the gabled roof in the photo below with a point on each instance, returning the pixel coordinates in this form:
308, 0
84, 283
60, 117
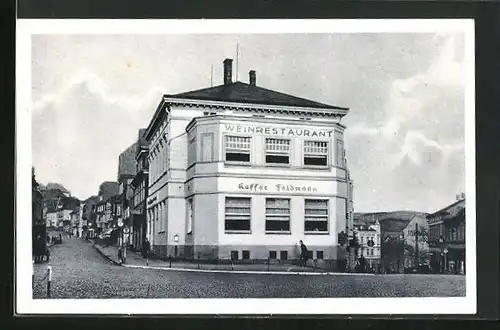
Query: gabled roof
240, 92
126, 161
394, 225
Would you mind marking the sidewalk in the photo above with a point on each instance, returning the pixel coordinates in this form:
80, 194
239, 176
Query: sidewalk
135, 260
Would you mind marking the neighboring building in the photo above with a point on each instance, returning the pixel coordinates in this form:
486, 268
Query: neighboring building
108, 189
126, 172
237, 171
38, 222
416, 237
139, 184
392, 243
447, 237
89, 216
369, 243
404, 243
66, 206
51, 218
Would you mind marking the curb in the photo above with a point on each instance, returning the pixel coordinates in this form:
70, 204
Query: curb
245, 271
105, 255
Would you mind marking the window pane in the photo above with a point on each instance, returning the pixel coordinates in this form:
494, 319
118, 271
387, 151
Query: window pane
237, 225
238, 213
276, 159
272, 225
272, 254
237, 157
316, 226
315, 161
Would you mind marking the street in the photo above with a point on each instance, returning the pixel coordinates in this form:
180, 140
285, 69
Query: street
79, 271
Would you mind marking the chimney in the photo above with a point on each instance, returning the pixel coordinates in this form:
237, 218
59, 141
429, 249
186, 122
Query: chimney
228, 71
253, 78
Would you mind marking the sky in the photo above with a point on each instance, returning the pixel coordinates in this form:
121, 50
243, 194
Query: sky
405, 128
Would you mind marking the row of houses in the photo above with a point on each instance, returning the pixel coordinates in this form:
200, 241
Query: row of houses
399, 241
234, 171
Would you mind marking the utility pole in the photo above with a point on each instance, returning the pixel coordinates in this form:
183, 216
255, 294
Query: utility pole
416, 244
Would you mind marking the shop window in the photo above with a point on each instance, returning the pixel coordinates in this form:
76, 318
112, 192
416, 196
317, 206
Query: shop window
315, 153
277, 214
319, 254
272, 254
283, 255
237, 149
245, 255
237, 214
277, 151
234, 255
316, 215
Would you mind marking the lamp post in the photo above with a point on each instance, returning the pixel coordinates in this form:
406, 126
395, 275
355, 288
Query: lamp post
402, 243
441, 241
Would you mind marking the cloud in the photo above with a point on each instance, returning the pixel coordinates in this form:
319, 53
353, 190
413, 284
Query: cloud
79, 132
418, 137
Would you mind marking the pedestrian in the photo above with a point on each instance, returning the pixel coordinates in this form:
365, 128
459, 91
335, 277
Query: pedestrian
146, 247
121, 258
48, 239
60, 238
303, 252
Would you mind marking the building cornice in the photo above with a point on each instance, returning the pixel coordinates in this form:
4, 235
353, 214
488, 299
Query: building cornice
223, 119
257, 108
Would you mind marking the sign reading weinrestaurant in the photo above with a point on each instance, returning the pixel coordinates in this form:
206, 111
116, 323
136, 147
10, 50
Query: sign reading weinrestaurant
291, 132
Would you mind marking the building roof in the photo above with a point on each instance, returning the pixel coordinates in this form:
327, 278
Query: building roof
126, 161
108, 189
393, 224
240, 92
142, 143
450, 211
56, 186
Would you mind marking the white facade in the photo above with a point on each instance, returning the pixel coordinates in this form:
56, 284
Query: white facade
195, 175
51, 219
365, 237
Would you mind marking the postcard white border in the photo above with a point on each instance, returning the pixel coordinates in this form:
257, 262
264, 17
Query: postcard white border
25, 304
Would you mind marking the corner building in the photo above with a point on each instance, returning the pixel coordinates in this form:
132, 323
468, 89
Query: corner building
241, 172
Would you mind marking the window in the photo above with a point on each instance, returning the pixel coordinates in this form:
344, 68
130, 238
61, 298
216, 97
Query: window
207, 143
192, 151
272, 254
319, 254
283, 255
245, 255
237, 149
277, 214
310, 254
315, 153
362, 240
189, 209
316, 215
234, 255
237, 214
277, 151
340, 153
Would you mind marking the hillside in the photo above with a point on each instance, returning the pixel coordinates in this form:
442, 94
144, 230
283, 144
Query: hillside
370, 218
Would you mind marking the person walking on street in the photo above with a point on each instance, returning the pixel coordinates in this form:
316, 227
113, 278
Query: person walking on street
303, 253
146, 247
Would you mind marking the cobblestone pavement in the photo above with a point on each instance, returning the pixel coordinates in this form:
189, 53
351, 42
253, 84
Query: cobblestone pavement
136, 259
79, 271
